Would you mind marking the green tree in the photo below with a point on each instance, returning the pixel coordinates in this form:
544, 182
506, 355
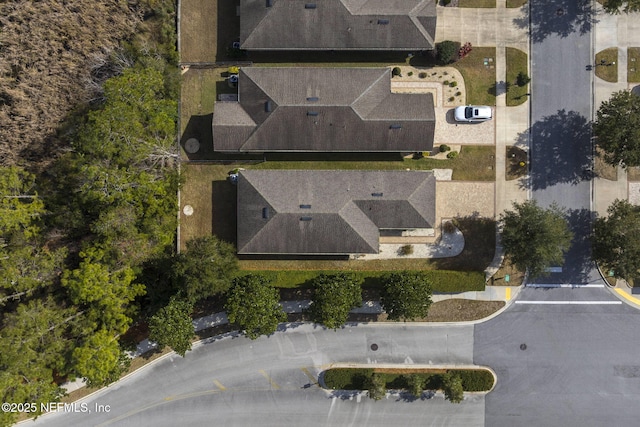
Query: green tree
172, 326
447, 51
416, 384
206, 268
99, 359
406, 295
253, 305
377, 386
20, 206
617, 129
617, 6
616, 240
334, 296
106, 295
25, 268
535, 238
452, 387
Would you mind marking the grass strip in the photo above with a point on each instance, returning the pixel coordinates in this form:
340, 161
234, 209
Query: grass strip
633, 65
516, 63
441, 280
607, 64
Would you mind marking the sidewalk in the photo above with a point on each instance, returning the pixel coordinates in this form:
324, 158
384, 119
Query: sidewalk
621, 31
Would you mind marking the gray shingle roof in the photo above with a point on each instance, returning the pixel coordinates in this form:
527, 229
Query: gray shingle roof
337, 24
322, 109
329, 211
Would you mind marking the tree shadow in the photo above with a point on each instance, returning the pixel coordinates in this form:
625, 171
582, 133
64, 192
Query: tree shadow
561, 18
498, 88
578, 263
561, 150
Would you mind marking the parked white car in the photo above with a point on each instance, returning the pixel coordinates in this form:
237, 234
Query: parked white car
473, 113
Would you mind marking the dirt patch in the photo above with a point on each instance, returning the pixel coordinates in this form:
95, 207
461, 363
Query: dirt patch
516, 163
603, 169
516, 277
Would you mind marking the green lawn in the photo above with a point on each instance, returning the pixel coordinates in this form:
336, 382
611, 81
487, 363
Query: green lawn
516, 3
516, 63
608, 72
479, 79
441, 280
477, 3
633, 65
473, 164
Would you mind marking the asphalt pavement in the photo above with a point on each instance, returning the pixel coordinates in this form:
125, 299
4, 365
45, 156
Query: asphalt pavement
562, 364
560, 136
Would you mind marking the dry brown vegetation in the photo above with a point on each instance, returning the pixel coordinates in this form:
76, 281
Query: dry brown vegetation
49, 50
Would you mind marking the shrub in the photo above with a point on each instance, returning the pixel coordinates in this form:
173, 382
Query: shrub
452, 98
426, 153
446, 82
452, 387
453, 84
444, 148
418, 155
452, 155
422, 75
410, 73
396, 71
475, 379
406, 250
377, 386
448, 227
522, 79
458, 93
447, 51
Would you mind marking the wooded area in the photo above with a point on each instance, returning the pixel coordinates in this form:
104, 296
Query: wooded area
88, 186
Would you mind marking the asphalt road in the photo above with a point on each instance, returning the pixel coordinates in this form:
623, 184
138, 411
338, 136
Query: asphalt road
238, 382
561, 152
580, 366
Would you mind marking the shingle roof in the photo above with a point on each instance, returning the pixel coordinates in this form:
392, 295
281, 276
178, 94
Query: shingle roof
322, 109
329, 212
337, 24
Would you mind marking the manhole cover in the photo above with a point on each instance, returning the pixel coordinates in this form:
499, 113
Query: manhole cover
374, 347
523, 347
192, 145
560, 11
188, 210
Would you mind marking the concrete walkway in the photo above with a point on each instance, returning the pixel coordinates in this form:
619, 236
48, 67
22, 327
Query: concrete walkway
621, 31
495, 27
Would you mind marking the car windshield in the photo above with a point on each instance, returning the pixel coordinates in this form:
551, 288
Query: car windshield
468, 112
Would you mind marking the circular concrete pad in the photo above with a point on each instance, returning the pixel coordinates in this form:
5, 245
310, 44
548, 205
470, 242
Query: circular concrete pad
188, 210
192, 145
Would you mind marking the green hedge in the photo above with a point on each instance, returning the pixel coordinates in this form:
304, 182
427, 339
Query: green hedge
441, 280
356, 378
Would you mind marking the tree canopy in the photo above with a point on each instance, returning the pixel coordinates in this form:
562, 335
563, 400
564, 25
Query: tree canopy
617, 6
452, 387
99, 359
253, 305
172, 326
616, 240
535, 238
617, 129
334, 296
406, 295
206, 268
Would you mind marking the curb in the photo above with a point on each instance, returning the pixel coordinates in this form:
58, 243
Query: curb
408, 367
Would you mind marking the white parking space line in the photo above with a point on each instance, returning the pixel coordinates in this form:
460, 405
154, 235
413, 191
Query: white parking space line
569, 302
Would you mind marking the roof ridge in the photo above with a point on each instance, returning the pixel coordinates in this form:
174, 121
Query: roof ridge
421, 28
364, 92
351, 202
